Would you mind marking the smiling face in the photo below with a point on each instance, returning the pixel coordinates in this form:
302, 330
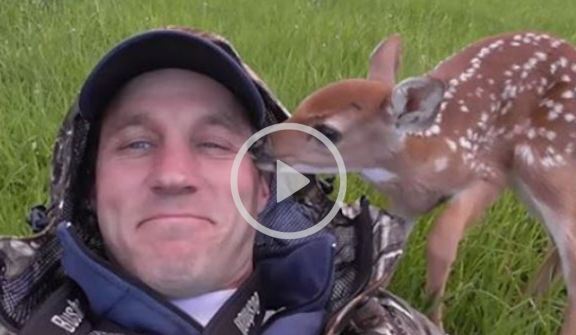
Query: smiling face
162, 191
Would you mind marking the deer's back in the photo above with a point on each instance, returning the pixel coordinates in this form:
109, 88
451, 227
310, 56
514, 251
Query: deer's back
507, 96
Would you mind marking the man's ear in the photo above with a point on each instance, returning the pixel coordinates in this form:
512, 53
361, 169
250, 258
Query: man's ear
264, 191
415, 102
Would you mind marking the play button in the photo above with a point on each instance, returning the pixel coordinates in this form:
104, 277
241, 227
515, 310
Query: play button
288, 181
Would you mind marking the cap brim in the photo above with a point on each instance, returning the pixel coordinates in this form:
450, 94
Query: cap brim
159, 49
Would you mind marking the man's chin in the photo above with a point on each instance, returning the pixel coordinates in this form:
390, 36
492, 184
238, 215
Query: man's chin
176, 277
174, 288
178, 235
174, 248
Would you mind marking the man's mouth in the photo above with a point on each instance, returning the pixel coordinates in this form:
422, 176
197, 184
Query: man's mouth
175, 216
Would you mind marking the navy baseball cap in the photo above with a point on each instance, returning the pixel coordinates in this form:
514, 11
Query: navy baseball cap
167, 48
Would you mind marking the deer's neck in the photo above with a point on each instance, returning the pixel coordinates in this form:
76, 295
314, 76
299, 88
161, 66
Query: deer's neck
407, 157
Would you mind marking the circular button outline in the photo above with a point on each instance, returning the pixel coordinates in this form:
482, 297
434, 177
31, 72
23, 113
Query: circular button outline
271, 232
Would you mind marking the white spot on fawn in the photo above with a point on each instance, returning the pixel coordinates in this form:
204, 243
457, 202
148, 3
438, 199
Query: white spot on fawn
506, 108
441, 164
484, 52
547, 162
558, 108
547, 102
566, 78
435, 129
569, 117
452, 145
378, 175
464, 109
525, 153
552, 116
559, 158
540, 55
464, 143
568, 95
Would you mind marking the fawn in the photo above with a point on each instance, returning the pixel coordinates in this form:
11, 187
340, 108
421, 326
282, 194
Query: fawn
500, 113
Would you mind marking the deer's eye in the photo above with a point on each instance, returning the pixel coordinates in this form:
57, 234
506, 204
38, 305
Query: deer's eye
332, 134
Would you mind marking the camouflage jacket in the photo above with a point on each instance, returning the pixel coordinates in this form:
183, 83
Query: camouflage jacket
35, 290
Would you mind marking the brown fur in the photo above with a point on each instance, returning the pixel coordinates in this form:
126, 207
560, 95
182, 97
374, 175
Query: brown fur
506, 118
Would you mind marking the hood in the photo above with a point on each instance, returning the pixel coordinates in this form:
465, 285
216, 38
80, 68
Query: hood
366, 250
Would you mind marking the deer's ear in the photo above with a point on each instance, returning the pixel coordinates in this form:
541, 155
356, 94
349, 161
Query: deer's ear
385, 60
415, 102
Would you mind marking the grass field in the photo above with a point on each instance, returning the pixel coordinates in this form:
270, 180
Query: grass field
47, 48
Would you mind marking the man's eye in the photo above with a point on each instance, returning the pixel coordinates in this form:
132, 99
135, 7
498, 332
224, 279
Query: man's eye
213, 145
138, 145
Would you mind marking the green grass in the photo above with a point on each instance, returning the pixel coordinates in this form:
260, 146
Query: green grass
47, 48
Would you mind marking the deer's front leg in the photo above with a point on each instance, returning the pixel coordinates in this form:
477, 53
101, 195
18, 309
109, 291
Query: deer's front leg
446, 233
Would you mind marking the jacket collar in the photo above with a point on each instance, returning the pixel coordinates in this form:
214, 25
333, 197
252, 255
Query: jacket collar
296, 281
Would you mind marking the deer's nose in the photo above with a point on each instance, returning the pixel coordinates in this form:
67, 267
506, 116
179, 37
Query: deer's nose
261, 153
260, 149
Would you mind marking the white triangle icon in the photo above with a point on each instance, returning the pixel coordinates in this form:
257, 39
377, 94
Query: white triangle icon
288, 181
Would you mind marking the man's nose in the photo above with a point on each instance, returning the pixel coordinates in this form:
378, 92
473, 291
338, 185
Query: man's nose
175, 171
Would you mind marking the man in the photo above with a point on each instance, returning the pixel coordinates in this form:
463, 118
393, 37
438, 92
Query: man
142, 235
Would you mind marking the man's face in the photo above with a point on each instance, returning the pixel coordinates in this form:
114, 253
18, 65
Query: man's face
163, 196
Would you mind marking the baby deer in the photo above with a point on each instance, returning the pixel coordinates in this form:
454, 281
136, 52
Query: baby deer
499, 113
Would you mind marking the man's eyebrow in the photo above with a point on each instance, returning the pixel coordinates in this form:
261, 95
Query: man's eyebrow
224, 120
132, 120
220, 119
